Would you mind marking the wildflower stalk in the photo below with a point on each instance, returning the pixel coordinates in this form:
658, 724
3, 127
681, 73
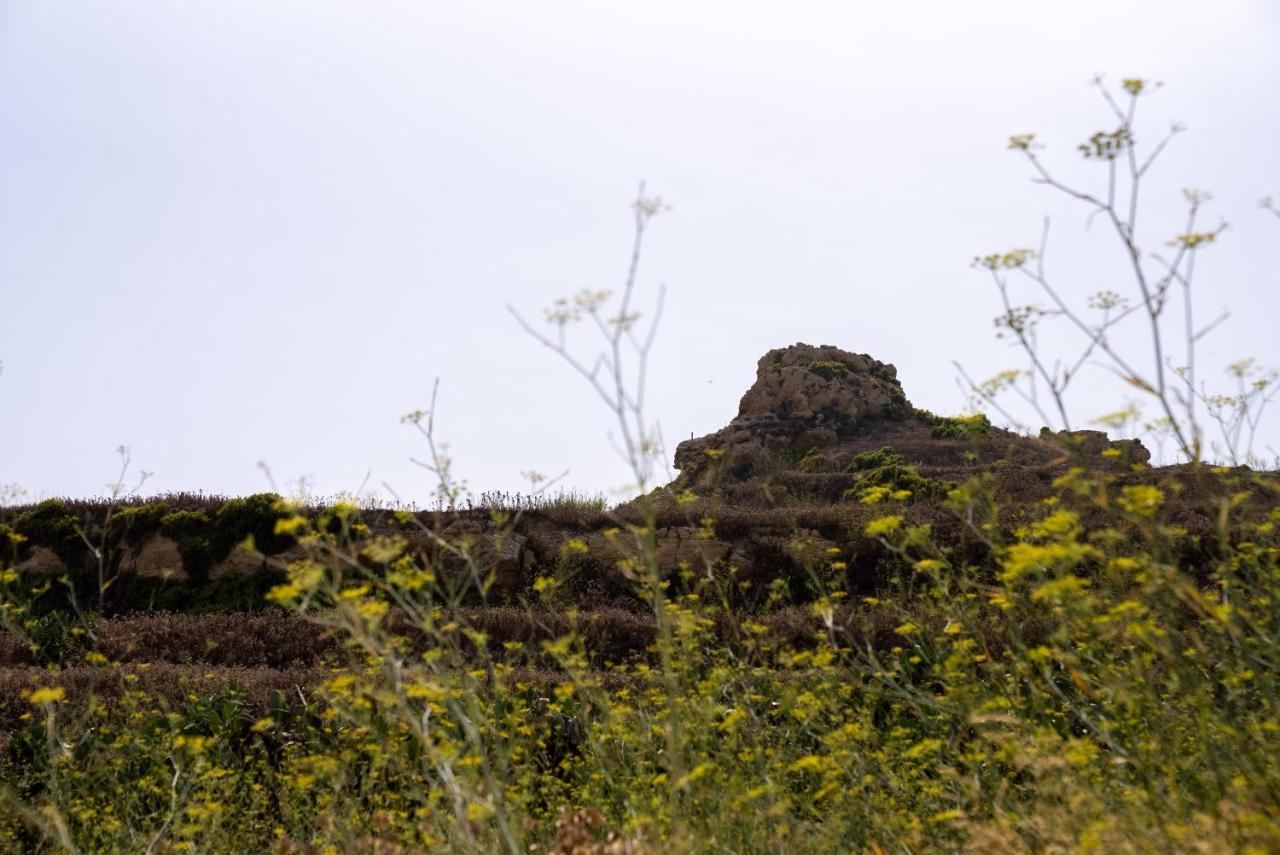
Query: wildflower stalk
1178, 406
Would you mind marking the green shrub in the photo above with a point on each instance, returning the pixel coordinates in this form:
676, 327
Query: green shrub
229, 592
250, 517
876, 459
131, 525
191, 531
883, 467
813, 461
56, 638
52, 525
828, 369
955, 427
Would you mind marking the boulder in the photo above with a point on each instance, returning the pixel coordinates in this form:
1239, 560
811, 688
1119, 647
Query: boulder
42, 560
157, 557
503, 557
243, 561
1093, 442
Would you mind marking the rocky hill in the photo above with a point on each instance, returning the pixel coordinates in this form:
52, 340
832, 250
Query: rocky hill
821, 440
804, 428
773, 508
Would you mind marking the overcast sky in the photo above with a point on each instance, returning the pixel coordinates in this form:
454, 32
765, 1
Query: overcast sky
234, 232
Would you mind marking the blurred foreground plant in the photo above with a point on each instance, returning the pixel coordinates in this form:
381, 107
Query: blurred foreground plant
1171, 382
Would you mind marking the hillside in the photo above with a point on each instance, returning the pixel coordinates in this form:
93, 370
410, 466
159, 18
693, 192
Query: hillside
829, 517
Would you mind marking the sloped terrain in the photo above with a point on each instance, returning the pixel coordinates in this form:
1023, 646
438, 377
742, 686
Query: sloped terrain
780, 496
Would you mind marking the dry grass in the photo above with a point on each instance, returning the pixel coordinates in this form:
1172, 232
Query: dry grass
171, 685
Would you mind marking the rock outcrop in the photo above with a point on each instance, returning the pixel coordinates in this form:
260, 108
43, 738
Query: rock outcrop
804, 397
807, 427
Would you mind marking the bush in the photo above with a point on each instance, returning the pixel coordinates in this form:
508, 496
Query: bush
191, 531
252, 517
955, 427
888, 470
130, 526
829, 369
50, 524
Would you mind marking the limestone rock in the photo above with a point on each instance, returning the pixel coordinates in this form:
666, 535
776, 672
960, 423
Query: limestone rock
1093, 442
804, 397
242, 560
503, 557
42, 560
820, 384
157, 558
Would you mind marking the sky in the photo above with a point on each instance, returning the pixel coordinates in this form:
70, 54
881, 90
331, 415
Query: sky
242, 232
